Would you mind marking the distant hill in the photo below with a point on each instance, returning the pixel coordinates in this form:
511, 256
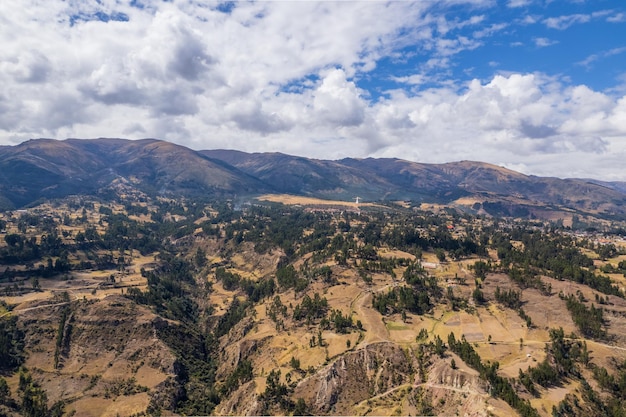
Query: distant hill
613, 185
470, 185
46, 168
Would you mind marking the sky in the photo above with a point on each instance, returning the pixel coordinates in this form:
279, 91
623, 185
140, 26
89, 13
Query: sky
538, 86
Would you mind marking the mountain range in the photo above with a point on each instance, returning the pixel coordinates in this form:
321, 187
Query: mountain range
46, 168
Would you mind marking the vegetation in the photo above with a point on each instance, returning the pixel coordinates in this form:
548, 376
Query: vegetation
590, 321
219, 271
499, 387
11, 344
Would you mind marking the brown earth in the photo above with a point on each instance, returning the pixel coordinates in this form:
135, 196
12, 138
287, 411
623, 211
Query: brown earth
110, 361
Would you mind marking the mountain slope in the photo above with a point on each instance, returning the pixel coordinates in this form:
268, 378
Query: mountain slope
303, 176
393, 179
493, 182
47, 168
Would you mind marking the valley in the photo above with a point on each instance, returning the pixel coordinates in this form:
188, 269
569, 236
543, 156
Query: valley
144, 306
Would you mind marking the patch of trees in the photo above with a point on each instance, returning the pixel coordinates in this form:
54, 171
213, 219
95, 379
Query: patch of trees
288, 277
526, 278
21, 249
400, 299
254, 290
557, 255
276, 394
169, 289
325, 273
311, 308
196, 354
258, 290
607, 251
417, 277
341, 323
478, 296
11, 344
34, 398
340, 247
510, 298
415, 297
385, 265
275, 310
590, 321
480, 269
590, 403
615, 385
135, 209
406, 237
235, 313
230, 281
372, 232
566, 352
563, 355
499, 387
242, 374
283, 227
64, 331
125, 387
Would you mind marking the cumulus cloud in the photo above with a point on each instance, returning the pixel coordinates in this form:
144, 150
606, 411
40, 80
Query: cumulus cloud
27, 67
289, 76
337, 100
516, 119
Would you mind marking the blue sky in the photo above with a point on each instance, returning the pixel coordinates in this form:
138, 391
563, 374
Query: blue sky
581, 42
538, 86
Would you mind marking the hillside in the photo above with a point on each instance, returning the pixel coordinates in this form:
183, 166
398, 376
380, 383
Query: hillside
43, 169
505, 192
147, 306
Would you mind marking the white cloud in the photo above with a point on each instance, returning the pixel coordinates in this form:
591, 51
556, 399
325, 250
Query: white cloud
284, 76
529, 20
528, 120
490, 30
518, 3
414, 79
543, 42
564, 22
587, 62
337, 100
616, 18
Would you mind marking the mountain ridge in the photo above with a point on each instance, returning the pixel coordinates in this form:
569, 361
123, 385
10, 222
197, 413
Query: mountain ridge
49, 168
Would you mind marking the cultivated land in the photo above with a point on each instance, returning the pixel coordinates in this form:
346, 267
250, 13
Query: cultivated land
150, 305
